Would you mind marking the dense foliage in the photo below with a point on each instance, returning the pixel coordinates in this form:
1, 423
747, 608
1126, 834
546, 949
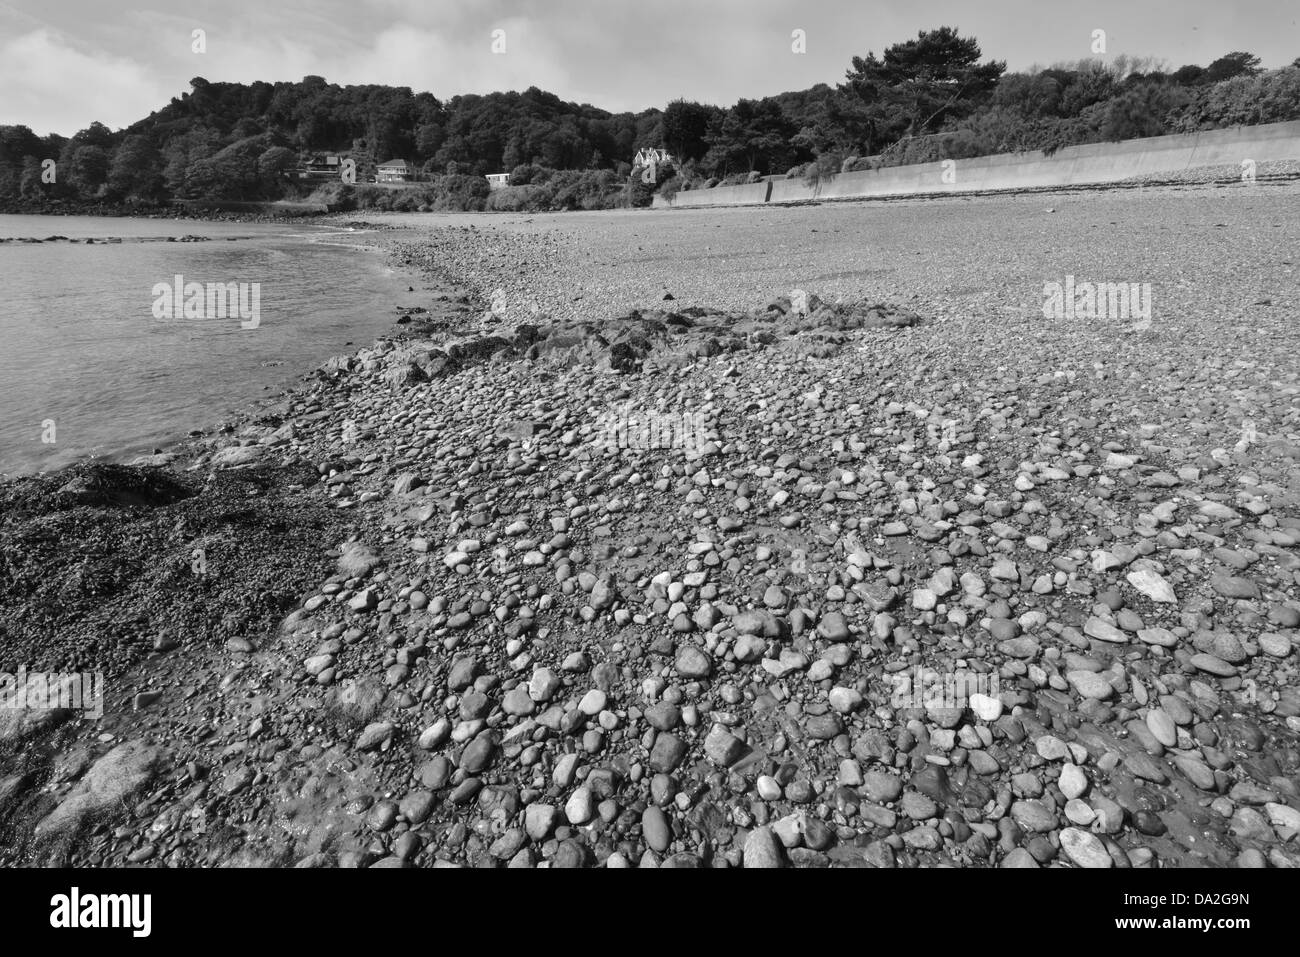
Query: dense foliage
924, 99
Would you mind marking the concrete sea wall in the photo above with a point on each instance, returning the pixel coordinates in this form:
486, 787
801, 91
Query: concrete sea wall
1071, 166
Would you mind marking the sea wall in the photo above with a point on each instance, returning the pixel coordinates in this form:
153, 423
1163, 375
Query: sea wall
747, 195
1071, 166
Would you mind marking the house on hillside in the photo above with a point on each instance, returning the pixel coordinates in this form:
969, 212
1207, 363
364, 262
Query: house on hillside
395, 171
497, 180
321, 166
648, 155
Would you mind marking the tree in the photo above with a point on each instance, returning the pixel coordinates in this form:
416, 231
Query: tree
648, 130
30, 184
18, 144
230, 173
522, 174
1031, 96
514, 153
182, 152
428, 138
1230, 65
273, 163
1086, 88
86, 169
918, 85
1189, 75
754, 135
96, 134
135, 172
685, 126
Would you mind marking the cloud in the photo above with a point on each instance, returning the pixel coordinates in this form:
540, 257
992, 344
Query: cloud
54, 87
446, 64
64, 64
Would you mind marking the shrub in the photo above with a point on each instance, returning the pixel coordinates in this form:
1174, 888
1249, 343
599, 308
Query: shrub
542, 175
639, 194
603, 189
689, 172
1271, 97
523, 174
336, 195
407, 200
459, 192
372, 197
1145, 110
516, 199
562, 190
825, 166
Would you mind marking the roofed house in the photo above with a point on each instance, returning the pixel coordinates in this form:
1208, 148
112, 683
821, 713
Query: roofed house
497, 180
324, 166
649, 155
395, 171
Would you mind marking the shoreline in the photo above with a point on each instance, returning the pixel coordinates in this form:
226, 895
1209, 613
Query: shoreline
334, 222
150, 212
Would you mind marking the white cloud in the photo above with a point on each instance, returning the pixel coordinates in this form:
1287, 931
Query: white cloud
448, 64
63, 64
54, 87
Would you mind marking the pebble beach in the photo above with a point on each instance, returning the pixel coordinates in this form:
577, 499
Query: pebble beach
427, 608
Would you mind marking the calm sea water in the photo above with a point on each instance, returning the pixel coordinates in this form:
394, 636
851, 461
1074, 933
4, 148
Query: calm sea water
81, 349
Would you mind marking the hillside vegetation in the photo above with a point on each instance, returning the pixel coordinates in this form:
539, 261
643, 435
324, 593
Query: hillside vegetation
932, 97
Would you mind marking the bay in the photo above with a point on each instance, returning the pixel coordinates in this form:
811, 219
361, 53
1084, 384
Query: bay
82, 351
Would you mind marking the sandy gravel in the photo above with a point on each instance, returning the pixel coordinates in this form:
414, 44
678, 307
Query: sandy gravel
1221, 262
1210, 252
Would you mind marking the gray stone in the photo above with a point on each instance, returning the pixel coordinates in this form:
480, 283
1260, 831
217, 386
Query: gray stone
667, 753
1085, 849
762, 849
655, 829
693, 663
722, 747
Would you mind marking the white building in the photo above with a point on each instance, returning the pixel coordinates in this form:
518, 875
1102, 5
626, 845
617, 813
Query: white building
647, 155
395, 171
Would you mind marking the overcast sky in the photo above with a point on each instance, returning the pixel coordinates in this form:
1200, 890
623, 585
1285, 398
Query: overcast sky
64, 63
